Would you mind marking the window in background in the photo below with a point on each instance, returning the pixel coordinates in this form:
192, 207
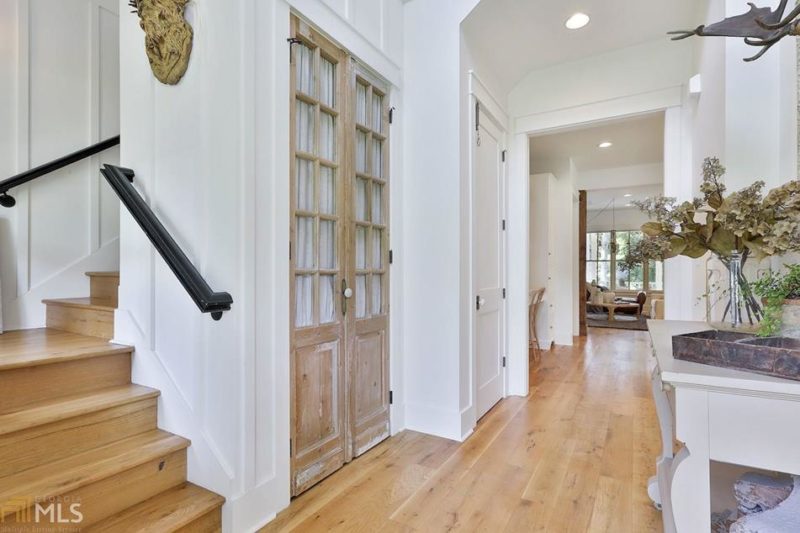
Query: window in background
602, 263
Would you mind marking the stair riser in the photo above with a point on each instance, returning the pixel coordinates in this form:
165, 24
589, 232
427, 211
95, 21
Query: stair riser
208, 523
106, 497
91, 322
104, 288
23, 387
51, 442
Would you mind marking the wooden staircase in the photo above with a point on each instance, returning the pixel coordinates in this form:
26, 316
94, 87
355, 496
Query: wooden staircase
75, 430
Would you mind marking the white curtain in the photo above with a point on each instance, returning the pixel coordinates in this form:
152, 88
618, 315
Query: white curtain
361, 296
305, 243
361, 104
305, 127
305, 185
327, 191
304, 63
327, 244
327, 141
361, 152
377, 249
326, 292
377, 294
328, 83
304, 298
377, 158
377, 203
361, 248
377, 113
361, 199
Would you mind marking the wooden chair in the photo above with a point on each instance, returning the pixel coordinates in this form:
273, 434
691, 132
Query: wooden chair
534, 303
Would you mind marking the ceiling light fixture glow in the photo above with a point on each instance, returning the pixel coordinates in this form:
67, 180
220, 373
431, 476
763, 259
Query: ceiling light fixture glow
577, 21
605, 144
628, 195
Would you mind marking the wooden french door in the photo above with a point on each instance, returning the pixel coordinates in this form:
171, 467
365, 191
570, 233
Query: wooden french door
339, 259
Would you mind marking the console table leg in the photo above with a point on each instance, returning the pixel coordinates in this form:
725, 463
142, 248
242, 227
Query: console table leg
690, 490
664, 461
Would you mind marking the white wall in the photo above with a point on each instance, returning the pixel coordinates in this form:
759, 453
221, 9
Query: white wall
212, 158
553, 252
436, 168
575, 90
618, 177
60, 98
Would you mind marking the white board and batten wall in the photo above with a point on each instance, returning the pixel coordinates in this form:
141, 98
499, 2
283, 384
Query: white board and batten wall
59, 62
212, 158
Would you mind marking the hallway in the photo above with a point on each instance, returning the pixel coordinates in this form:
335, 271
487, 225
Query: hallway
575, 455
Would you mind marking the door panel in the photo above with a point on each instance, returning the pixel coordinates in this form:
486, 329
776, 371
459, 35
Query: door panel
370, 267
319, 440
489, 269
318, 361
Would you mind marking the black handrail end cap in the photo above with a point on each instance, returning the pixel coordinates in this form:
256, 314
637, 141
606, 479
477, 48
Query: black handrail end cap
216, 315
7, 201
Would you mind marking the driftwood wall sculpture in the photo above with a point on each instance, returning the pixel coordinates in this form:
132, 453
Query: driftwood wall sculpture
168, 37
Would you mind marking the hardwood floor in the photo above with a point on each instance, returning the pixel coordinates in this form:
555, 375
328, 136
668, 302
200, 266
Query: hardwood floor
575, 455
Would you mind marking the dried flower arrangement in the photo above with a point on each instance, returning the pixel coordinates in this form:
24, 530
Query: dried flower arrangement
742, 224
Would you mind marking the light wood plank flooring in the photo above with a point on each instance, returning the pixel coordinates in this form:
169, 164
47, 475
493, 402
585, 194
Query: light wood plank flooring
575, 455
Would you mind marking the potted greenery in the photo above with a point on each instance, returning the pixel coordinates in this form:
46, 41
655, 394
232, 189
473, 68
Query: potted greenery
733, 227
781, 294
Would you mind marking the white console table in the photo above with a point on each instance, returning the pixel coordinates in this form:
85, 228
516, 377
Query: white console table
719, 415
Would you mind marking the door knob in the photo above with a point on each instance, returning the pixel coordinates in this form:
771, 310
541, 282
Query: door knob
348, 293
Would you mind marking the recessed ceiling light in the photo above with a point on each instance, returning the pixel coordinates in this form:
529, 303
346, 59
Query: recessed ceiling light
577, 21
605, 144
628, 195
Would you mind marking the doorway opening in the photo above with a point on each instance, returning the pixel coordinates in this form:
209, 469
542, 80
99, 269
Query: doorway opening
585, 184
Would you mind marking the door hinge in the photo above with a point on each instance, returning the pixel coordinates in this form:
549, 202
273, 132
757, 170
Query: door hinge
477, 116
504, 294
504, 361
290, 250
503, 155
477, 303
391, 115
391, 256
504, 224
290, 447
391, 397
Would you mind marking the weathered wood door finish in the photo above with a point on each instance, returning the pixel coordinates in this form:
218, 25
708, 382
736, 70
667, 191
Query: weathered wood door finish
369, 265
318, 366
339, 260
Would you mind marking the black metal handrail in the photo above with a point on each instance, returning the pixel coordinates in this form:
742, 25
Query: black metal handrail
206, 299
121, 181
7, 200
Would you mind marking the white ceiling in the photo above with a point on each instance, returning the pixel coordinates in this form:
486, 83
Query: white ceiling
637, 141
597, 200
515, 37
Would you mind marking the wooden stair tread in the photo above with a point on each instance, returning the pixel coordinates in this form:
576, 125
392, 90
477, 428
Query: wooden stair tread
63, 408
34, 347
102, 274
60, 477
83, 303
169, 511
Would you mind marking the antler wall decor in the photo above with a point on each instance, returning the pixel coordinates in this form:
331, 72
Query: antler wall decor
168, 37
761, 27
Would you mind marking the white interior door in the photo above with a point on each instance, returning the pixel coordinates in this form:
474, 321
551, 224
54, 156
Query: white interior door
488, 258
